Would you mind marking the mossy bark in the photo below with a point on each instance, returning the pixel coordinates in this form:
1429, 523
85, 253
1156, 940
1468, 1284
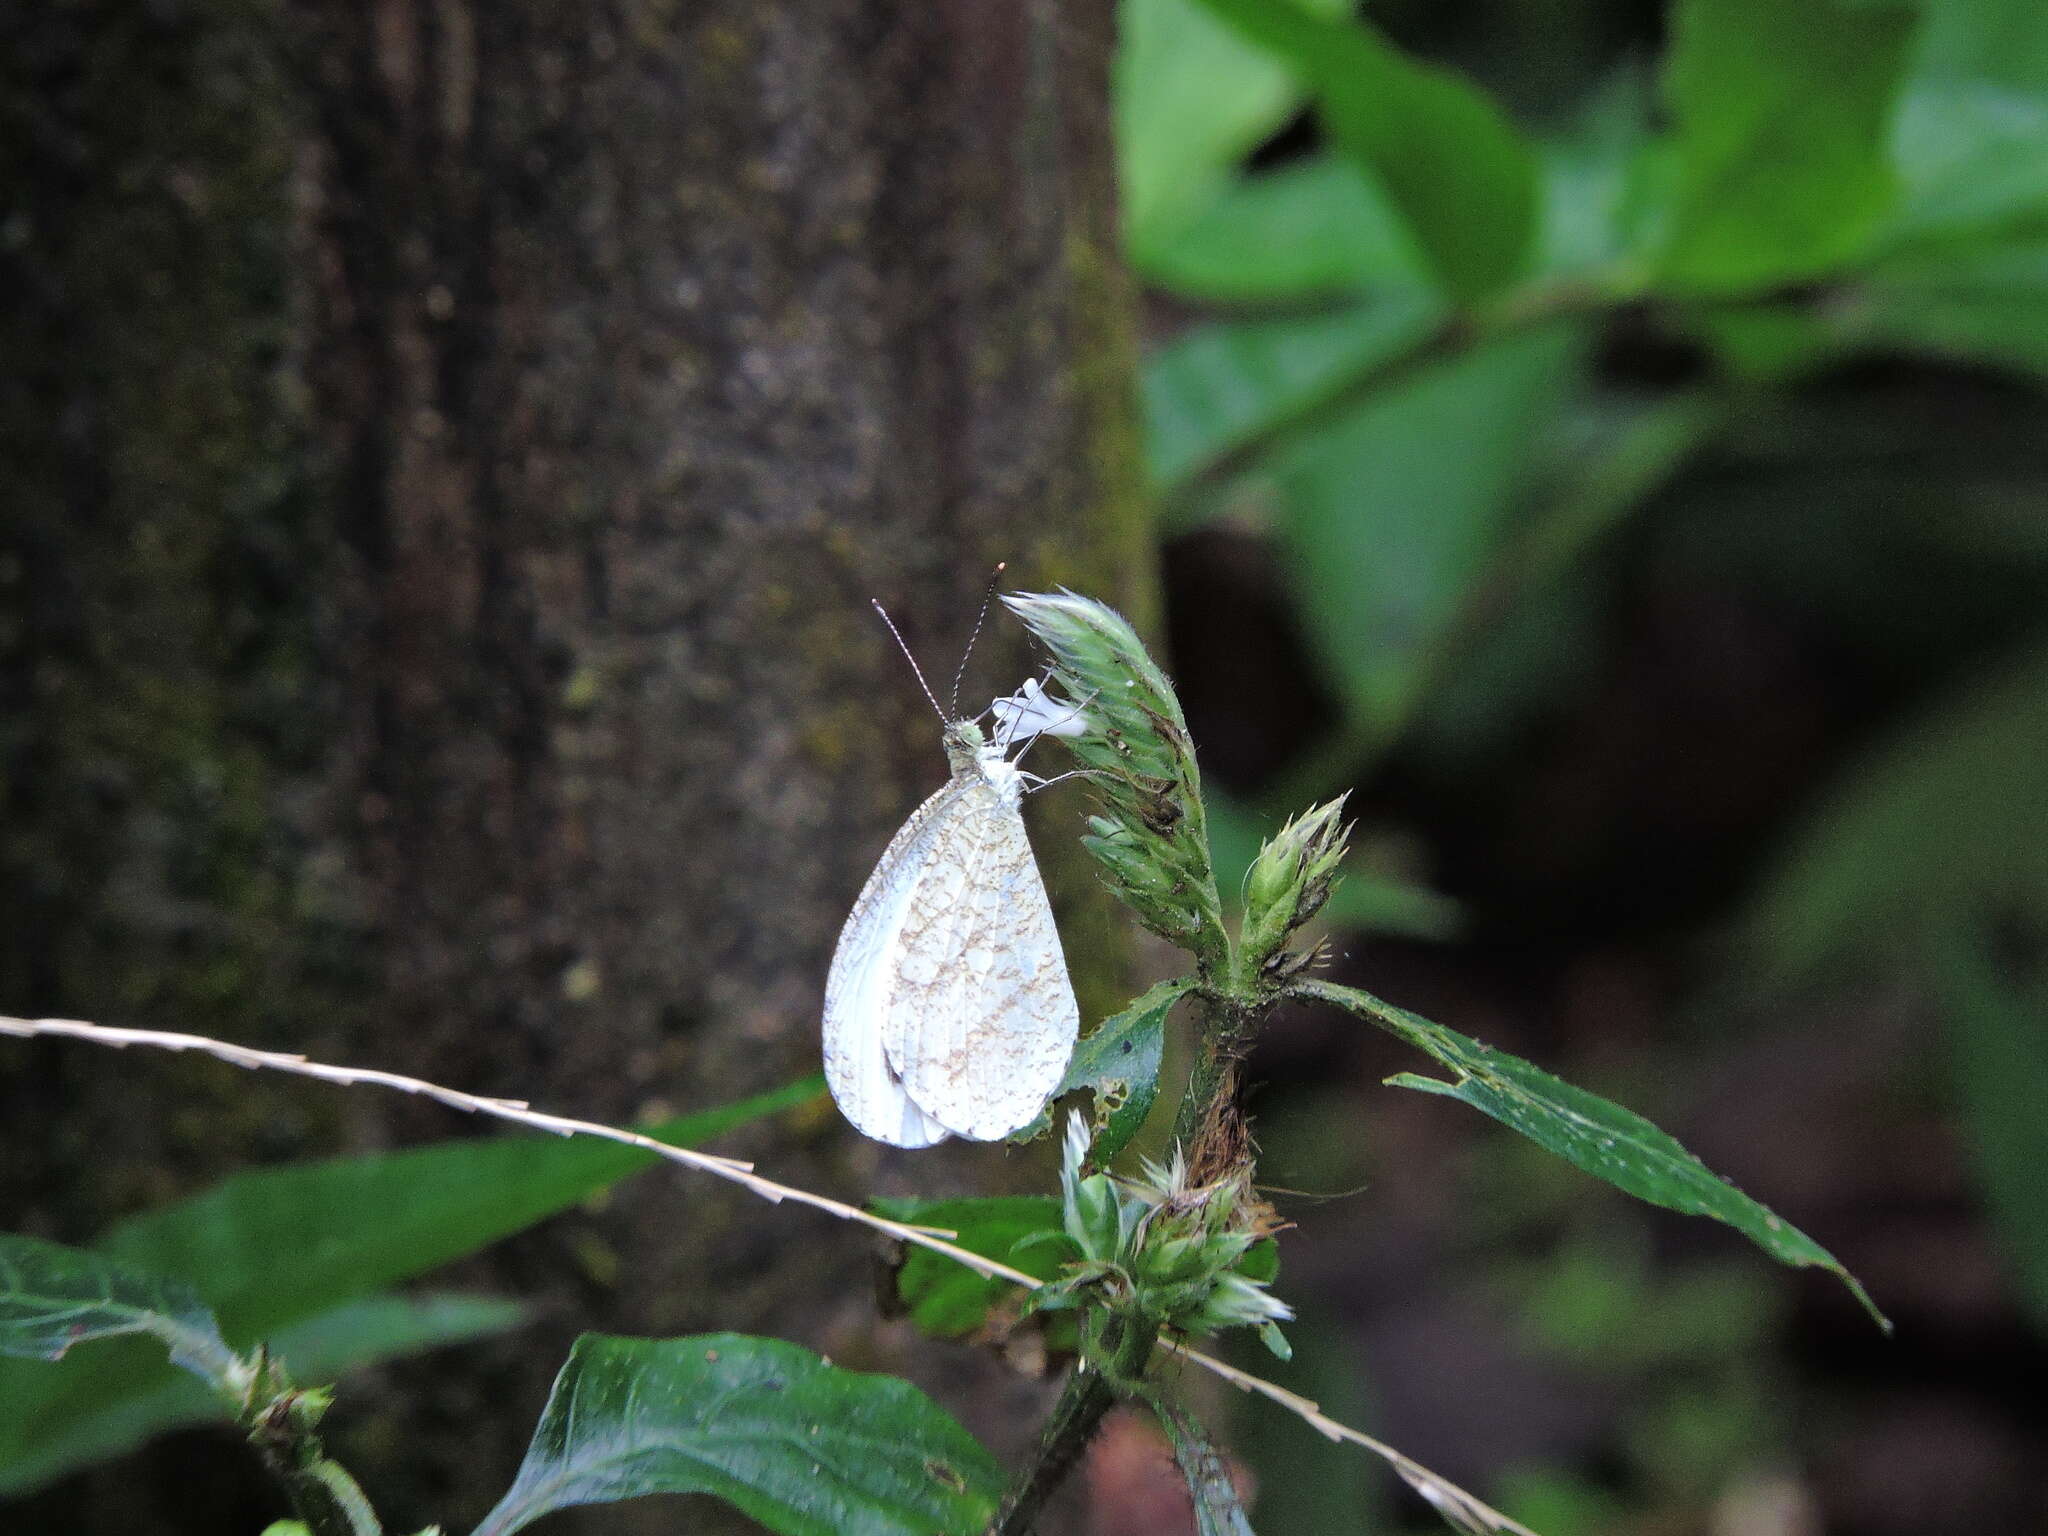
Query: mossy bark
453, 446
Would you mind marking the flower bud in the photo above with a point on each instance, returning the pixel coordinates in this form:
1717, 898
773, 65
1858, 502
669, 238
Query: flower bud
1092, 1217
1290, 880
1236, 1302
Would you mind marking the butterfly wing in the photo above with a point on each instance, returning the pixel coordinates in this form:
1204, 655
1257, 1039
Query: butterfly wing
858, 988
984, 1019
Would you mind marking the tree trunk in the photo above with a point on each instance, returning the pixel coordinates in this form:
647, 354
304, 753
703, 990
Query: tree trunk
460, 441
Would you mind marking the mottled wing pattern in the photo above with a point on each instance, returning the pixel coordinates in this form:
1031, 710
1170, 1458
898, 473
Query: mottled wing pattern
857, 990
983, 1018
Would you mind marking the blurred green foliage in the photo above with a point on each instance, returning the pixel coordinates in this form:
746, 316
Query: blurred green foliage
300, 1257
1466, 306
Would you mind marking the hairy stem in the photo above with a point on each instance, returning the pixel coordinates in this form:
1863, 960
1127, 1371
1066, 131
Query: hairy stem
1090, 1393
324, 1496
1207, 1124
1114, 1361
1208, 1078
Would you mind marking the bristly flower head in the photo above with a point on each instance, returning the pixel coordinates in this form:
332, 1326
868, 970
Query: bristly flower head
1151, 837
1177, 1254
1288, 884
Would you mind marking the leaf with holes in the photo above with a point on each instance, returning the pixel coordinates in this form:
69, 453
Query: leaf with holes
1119, 1064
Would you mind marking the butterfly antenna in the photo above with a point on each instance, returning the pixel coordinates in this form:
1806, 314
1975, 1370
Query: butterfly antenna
927, 687
961, 671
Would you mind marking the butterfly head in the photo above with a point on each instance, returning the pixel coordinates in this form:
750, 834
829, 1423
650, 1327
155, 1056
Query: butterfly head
970, 754
966, 746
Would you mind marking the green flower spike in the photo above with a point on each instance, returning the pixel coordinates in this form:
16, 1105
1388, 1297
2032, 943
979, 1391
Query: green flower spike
1151, 838
1288, 884
1170, 1253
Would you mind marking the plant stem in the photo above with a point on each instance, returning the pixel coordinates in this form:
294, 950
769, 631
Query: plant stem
1207, 1079
1205, 1126
327, 1500
1113, 1363
1089, 1395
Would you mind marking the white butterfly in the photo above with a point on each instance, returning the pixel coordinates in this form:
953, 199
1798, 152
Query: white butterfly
948, 1010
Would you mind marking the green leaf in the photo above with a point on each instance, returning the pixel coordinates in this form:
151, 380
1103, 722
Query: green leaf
1973, 166
1312, 228
1763, 344
281, 1244
383, 1327
1597, 180
2001, 40
1119, 1064
1217, 1510
1394, 511
1623, 454
1783, 115
279, 1247
1261, 1262
107, 1399
803, 1447
52, 1297
1544, 593
948, 1300
1220, 388
1963, 265
1192, 98
2000, 1026
1983, 305
1445, 154
1587, 1131
1931, 829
